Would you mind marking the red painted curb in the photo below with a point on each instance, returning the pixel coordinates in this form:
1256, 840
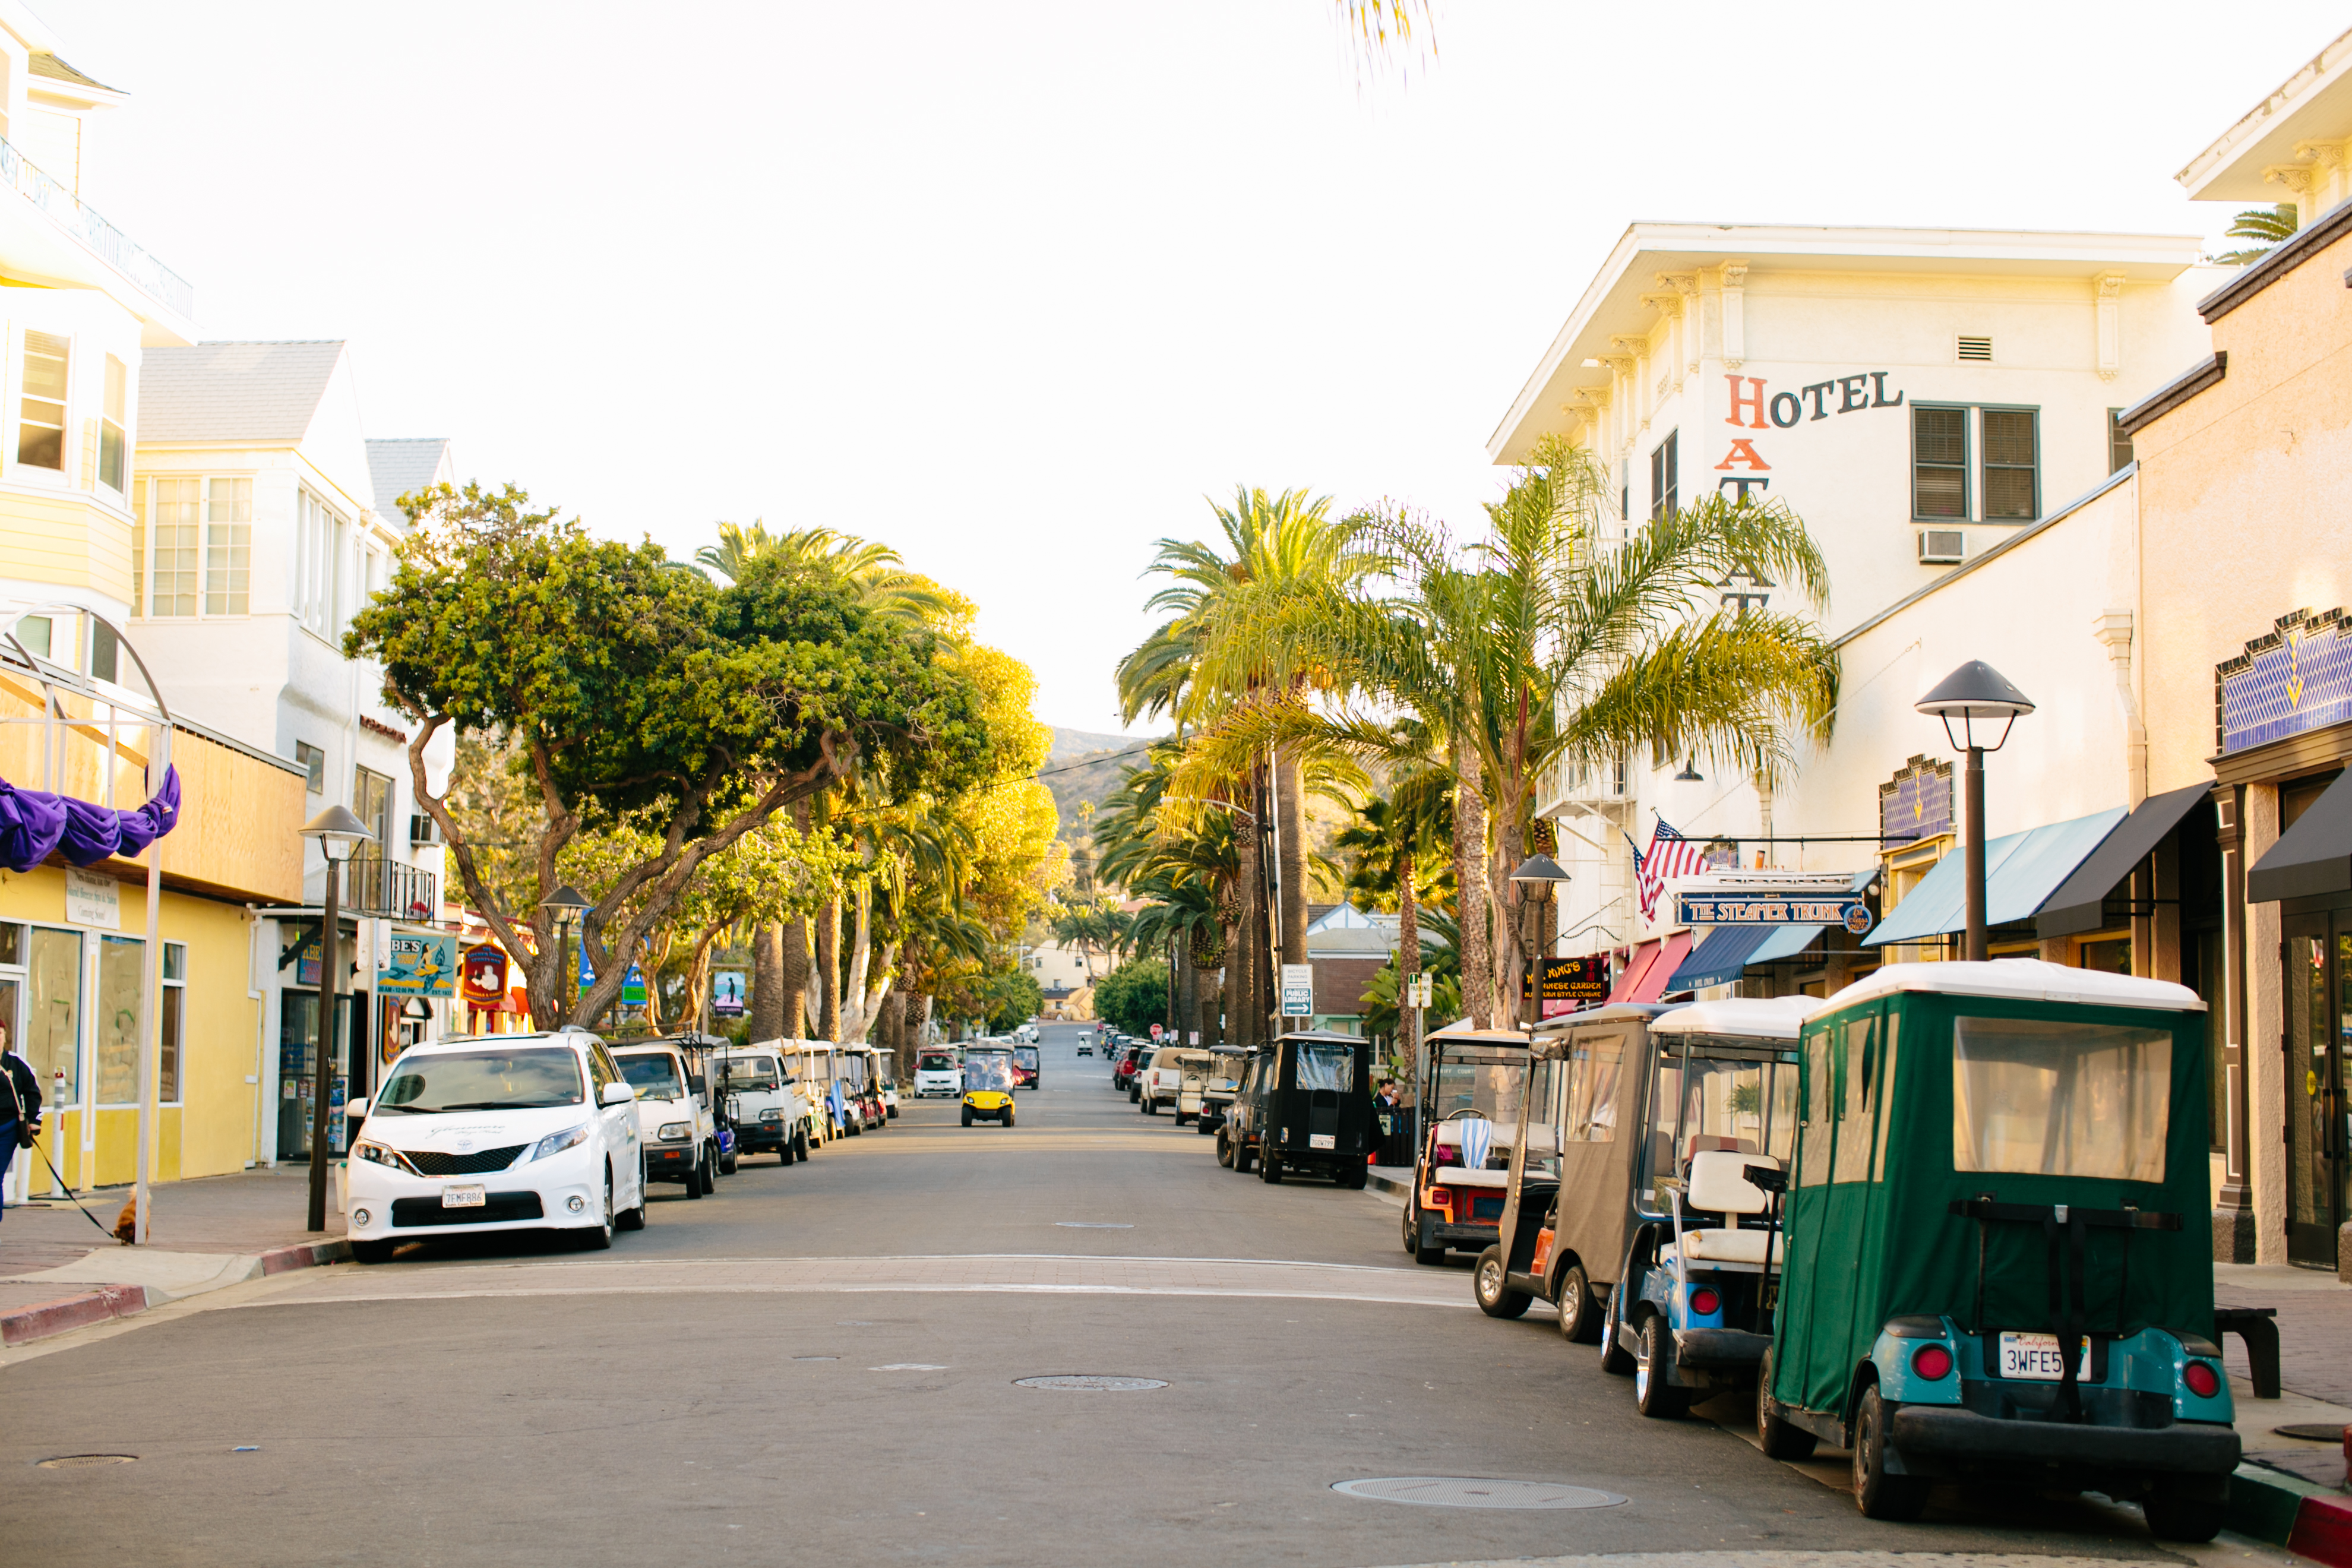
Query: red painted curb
46, 1318
2323, 1530
304, 1255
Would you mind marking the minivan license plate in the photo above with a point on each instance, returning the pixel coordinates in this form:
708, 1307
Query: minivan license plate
2035, 1356
1322, 1141
463, 1197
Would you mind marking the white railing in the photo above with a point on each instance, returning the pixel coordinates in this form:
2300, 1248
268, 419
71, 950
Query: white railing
112, 246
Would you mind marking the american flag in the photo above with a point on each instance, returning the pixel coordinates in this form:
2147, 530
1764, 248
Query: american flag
1671, 855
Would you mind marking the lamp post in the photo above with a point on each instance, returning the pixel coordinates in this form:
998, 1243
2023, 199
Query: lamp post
1542, 873
1974, 694
339, 835
566, 903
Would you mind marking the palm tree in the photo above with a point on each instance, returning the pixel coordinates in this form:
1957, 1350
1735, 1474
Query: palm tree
2272, 225
1388, 849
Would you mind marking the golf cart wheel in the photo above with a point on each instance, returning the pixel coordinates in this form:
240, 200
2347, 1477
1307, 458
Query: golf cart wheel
1243, 1155
1008, 1116
1878, 1494
1614, 1358
967, 1116
1779, 1439
1356, 1175
2175, 1517
727, 1165
1224, 1152
1654, 1394
1579, 1315
1492, 1287
1269, 1167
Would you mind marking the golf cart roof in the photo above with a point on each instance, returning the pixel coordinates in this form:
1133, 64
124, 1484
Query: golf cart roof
1754, 1018
1609, 1013
1461, 1033
2016, 980
1331, 1037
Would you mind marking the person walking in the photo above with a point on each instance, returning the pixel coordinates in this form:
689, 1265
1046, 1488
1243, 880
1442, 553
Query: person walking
20, 1107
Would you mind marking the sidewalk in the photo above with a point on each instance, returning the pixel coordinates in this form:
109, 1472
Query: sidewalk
59, 1272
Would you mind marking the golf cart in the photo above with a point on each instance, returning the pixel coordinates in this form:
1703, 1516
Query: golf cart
1473, 1082
988, 1084
1217, 1091
1305, 1104
1999, 1164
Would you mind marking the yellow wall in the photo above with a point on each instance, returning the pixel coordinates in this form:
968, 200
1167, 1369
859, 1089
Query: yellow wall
65, 539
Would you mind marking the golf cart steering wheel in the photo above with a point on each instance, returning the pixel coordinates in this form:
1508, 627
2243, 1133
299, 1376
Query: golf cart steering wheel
1460, 1111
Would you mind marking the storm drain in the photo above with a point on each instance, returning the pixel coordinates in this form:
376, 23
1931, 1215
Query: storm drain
1471, 1491
1089, 1383
76, 1461
2322, 1432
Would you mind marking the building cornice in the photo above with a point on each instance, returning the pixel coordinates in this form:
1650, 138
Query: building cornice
2164, 399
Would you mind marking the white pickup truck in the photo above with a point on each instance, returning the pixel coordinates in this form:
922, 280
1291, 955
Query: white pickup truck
1175, 1078
770, 1110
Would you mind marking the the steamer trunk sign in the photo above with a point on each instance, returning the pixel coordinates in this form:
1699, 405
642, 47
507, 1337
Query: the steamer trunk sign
1747, 909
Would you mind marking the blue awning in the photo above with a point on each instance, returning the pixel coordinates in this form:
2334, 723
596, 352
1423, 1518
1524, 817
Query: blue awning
1786, 942
2021, 871
1720, 957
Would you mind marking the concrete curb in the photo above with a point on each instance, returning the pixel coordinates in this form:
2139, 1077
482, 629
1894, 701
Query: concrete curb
2309, 1521
46, 1319
1396, 1186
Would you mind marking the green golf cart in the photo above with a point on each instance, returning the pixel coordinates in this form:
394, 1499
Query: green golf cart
1999, 1238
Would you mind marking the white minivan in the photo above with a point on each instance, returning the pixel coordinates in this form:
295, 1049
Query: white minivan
674, 1120
771, 1113
497, 1132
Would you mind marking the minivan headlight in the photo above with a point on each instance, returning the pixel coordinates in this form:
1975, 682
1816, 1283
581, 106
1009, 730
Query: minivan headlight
556, 1143
377, 1153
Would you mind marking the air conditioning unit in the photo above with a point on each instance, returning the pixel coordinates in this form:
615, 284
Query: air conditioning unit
423, 829
1940, 546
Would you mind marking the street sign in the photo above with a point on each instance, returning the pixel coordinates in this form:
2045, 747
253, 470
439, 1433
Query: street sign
1298, 990
1784, 908
1155, 1031
1195, 1036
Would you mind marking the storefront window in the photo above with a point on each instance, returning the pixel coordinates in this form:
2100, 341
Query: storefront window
119, 960
175, 996
53, 1016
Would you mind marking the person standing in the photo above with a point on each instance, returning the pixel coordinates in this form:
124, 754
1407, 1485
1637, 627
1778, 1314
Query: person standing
20, 1106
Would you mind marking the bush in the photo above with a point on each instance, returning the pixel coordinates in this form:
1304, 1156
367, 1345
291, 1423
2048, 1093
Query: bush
1134, 996
1010, 998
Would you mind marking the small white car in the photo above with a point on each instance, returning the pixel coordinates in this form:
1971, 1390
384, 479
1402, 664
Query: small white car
680, 1135
938, 1072
500, 1132
771, 1113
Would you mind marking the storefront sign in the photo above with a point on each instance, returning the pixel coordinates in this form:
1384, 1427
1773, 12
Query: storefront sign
1569, 983
727, 992
2297, 678
419, 964
93, 901
1917, 803
1752, 909
484, 982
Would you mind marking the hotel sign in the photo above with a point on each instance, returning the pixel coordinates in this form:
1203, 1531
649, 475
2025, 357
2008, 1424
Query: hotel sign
2297, 678
1917, 803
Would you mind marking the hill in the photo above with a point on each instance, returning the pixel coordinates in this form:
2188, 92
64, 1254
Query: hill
1083, 769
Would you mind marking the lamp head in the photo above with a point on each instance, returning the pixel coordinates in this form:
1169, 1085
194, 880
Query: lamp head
1540, 872
338, 833
1974, 694
565, 903
1690, 773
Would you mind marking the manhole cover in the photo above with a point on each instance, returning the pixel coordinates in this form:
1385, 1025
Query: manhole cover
1089, 1383
76, 1461
2319, 1431
1470, 1491
1090, 1224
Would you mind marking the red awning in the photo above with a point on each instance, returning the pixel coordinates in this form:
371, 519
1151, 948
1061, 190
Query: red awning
1651, 984
1637, 964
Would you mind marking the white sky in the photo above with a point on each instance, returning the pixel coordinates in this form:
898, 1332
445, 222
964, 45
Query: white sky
1012, 287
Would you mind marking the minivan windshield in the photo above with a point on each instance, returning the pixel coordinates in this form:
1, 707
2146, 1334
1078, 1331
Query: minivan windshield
742, 1073
2057, 1097
653, 1077
483, 1080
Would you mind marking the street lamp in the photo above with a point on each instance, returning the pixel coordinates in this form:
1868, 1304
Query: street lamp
566, 903
1540, 874
339, 835
1975, 694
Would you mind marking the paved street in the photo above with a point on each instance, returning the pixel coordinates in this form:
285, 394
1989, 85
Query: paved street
819, 1364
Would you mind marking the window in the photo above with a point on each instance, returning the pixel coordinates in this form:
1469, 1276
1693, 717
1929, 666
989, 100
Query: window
119, 959
53, 1013
372, 804
113, 440
105, 651
175, 996
175, 520
1856, 1099
228, 547
1664, 478
41, 413
1939, 462
314, 765
2053, 1098
318, 545
1819, 1082
36, 632
1591, 1110
2011, 464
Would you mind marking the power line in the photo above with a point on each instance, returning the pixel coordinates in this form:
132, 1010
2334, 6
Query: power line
1101, 757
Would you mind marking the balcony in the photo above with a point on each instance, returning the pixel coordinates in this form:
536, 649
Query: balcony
384, 889
86, 236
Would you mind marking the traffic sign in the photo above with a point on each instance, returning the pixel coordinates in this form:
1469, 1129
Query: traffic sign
1298, 990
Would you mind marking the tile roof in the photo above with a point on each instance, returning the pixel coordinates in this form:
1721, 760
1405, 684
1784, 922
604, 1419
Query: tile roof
234, 391
400, 464
57, 69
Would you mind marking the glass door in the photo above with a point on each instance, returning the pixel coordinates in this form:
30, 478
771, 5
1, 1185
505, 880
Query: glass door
2318, 996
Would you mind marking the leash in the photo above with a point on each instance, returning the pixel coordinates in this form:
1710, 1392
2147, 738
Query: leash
69, 1193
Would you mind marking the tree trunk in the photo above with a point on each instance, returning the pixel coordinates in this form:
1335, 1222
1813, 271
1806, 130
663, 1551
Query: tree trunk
1513, 942
856, 1012
1407, 963
1470, 881
792, 982
890, 1029
918, 1020
828, 968
768, 1013
1290, 868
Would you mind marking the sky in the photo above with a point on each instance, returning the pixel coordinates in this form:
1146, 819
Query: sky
1018, 289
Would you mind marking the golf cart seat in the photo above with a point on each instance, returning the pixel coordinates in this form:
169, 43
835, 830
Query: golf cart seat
1461, 1176
1473, 1138
1721, 1245
1718, 1184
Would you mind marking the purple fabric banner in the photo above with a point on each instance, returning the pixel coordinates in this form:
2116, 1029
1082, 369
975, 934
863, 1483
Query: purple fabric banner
35, 825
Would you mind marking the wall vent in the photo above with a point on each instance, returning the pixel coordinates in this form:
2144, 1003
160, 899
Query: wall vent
1978, 349
1940, 546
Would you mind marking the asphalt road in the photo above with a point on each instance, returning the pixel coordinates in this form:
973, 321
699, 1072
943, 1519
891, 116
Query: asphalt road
818, 1364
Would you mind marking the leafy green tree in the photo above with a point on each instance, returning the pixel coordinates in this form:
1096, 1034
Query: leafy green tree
633, 693
1008, 997
1134, 996
2272, 225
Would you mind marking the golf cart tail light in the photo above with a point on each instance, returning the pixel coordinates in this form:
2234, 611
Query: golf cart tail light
1932, 1362
576, 1203
1705, 1302
2202, 1379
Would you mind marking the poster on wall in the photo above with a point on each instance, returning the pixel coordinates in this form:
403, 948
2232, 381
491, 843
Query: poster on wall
726, 993
421, 964
95, 901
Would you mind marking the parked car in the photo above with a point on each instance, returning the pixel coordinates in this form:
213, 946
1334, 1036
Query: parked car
1176, 1079
674, 1119
1124, 1067
505, 1132
770, 1112
938, 1071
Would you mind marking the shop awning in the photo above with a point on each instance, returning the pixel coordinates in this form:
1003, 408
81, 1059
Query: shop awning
2080, 903
2021, 871
2315, 855
1720, 956
1651, 983
1786, 942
